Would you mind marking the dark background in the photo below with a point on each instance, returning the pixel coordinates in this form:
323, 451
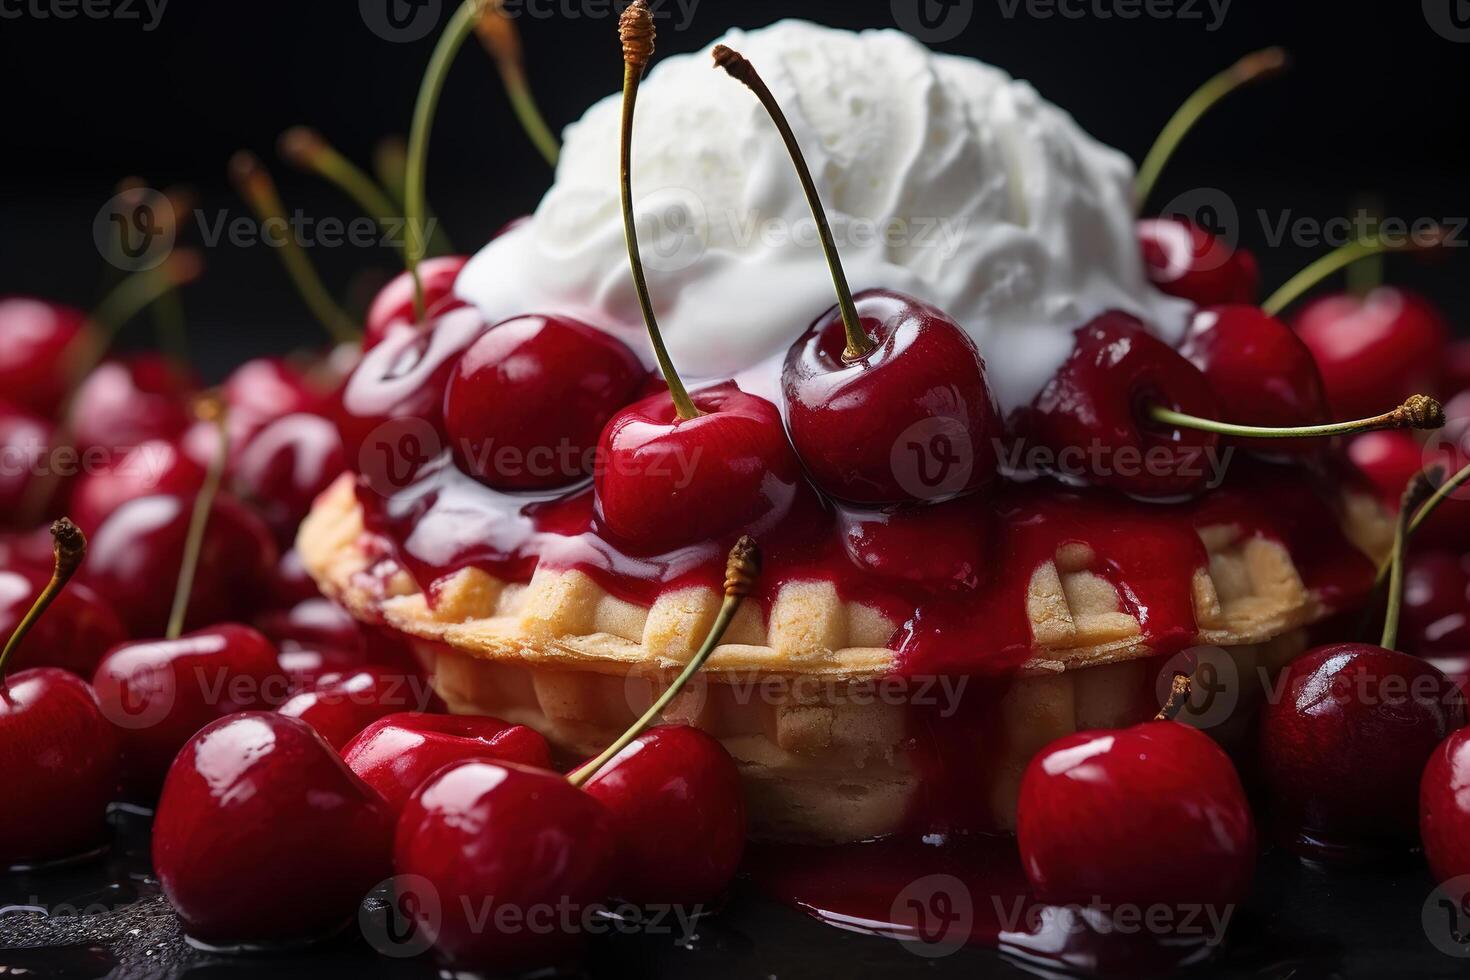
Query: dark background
1375, 103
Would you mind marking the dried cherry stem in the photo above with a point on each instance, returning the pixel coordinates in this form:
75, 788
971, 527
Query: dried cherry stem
254, 183
307, 149
1252, 68
1179, 693
1420, 490
741, 571
502, 40
1418, 412
210, 408
69, 546
739, 68
636, 31
1342, 258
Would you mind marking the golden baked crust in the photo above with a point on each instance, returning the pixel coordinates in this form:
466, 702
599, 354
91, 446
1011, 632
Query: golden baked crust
1249, 593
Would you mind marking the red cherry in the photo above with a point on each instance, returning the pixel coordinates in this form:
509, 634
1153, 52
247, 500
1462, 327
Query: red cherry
1444, 808
285, 466
340, 705
60, 756
394, 304
527, 401
1148, 815
396, 754
160, 692
853, 420
263, 836
35, 360
1436, 616
1093, 409
675, 799
260, 391
1184, 260
310, 623
158, 466
664, 482
1374, 350
79, 629
392, 418
1261, 372
1391, 459
292, 584
1457, 367
127, 402
944, 547
524, 836
305, 666
1343, 745
26, 459
136, 554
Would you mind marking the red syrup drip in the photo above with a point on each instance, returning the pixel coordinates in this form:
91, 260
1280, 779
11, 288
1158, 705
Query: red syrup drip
944, 893
446, 521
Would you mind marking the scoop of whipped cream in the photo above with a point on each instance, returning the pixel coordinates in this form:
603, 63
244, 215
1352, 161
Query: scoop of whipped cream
943, 178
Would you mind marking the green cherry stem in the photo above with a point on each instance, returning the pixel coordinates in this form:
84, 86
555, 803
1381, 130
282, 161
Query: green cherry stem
209, 409
1418, 412
253, 182
498, 35
69, 546
740, 68
1252, 68
415, 202
307, 149
1446, 490
1420, 489
741, 572
390, 166
1343, 258
636, 30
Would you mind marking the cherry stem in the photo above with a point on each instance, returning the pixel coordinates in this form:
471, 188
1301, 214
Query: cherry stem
741, 571
1179, 693
1419, 412
1445, 491
1252, 68
209, 409
253, 182
1420, 489
500, 38
415, 202
390, 165
168, 307
637, 33
70, 547
740, 68
1342, 258
306, 149
129, 298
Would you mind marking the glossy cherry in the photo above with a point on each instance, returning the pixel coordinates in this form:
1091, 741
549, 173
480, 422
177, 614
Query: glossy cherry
396, 754
292, 583
79, 629
126, 402
1374, 350
262, 390
36, 358
676, 800
943, 547
312, 622
30, 481
394, 304
392, 419
60, 758
665, 482
284, 466
305, 666
1343, 745
136, 554
1149, 815
1184, 260
913, 418
160, 692
527, 401
1436, 613
1391, 459
263, 837
1444, 808
1457, 368
523, 838
1090, 415
341, 705
158, 466
1261, 372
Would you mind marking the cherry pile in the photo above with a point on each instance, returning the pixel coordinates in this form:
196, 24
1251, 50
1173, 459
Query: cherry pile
296, 758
